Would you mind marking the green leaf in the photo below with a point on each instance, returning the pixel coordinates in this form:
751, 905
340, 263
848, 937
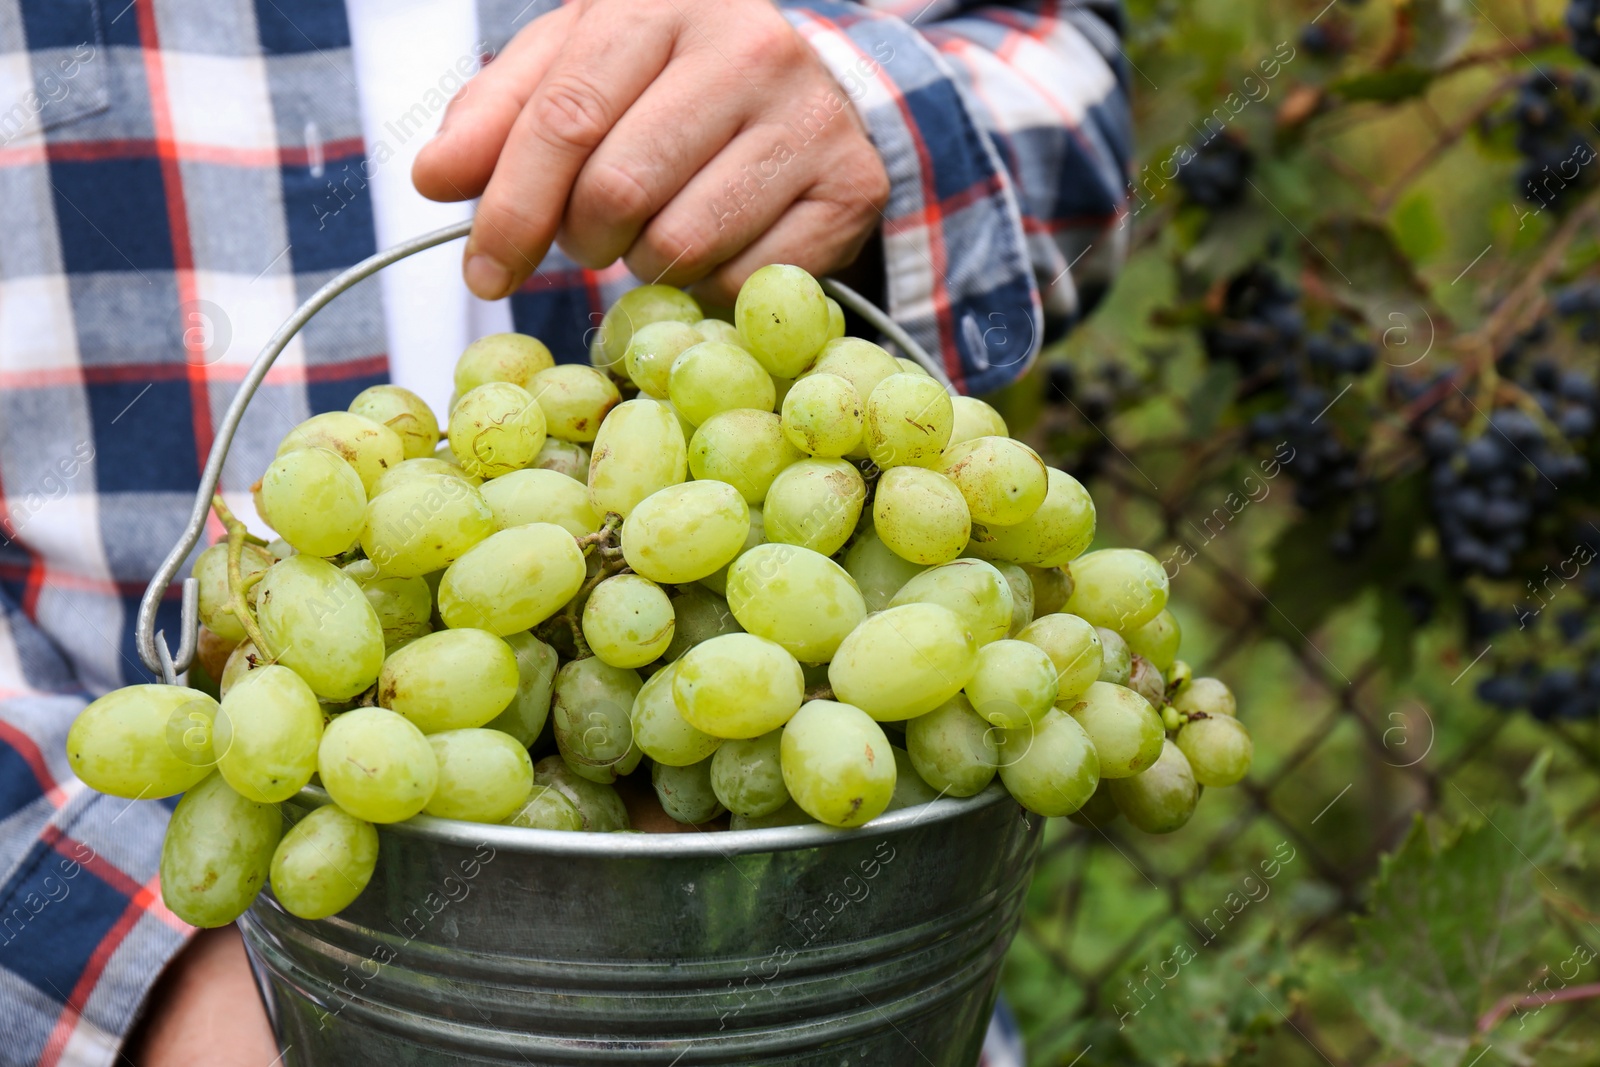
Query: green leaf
1210, 399
1399, 82
1440, 29
1366, 254
1216, 1001
1452, 926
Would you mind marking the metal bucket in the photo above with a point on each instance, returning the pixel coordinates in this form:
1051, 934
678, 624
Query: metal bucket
801, 946
492, 944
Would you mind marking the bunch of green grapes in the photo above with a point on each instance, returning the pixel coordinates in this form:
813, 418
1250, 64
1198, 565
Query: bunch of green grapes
760, 570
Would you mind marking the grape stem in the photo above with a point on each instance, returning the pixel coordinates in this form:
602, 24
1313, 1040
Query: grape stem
1512, 1001
237, 586
821, 692
604, 542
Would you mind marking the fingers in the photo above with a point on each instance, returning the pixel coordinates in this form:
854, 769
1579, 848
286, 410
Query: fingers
820, 234
457, 163
602, 68
680, 123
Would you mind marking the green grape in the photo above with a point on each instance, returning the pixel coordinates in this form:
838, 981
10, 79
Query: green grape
685, 792
1118, 588
575, 400
1014, 684
639, 451
953, 748
525, 716
1073, 646
1146, 680
1157, 640
837, 763
1116, 660
972, 418
911, 366
1161, 799
921, 515
903, 662
450, 680
799, 598
409, 469
512, 580
791, 814
1218, 749
241, 661
714, 376
601, 809
1051, 587
976, 591
747, 775
744, 448
1003, 481
686, 427
1021, 587
836, 324
370, 447
910, 790
404, 605
323, 863
217, 853
320, 624
501, 357
267, 735
700, 615
314, 500
404, 412
423, 525
1179, 675
1125, 729
737, 686
717, 580
814, 503
547, 809
908, 421
144, 741
628, 621
564, 457
659, 728
685, 532
484, 775
1052, 536
377, 765
210, 660
879, 572
634, 310
782, 314
861, 363
648, 359
1050, 767
496, 428
1098, 810
529, 496
592, 713
717, 330
211, 571
823, 415
1205, 696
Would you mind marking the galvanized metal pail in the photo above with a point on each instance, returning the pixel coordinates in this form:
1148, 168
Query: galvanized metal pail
801, 946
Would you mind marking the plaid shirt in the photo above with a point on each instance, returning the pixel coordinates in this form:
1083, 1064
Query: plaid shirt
177, 175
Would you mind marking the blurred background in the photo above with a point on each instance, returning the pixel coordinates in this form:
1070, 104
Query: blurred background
1345, 387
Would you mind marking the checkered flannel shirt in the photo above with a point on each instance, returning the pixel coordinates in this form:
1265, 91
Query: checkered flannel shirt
177, 175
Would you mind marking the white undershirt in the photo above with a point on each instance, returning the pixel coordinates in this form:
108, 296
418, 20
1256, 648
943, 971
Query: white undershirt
402, 50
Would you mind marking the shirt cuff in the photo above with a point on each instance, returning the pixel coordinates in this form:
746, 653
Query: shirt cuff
957, 273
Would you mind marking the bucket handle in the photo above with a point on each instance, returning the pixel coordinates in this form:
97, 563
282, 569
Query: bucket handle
152, 644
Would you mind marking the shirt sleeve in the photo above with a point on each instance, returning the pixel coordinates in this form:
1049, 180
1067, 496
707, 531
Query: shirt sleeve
1006, 133
83, 931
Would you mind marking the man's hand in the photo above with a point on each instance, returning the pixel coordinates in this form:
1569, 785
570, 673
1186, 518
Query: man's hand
205, 1011
695, 139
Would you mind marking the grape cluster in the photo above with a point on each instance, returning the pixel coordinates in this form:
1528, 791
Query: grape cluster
1549, 116
1583, 22
791, 580
1215, 174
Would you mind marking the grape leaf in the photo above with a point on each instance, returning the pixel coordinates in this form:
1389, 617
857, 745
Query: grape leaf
1385, 86
1217, 1000
1452, 925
